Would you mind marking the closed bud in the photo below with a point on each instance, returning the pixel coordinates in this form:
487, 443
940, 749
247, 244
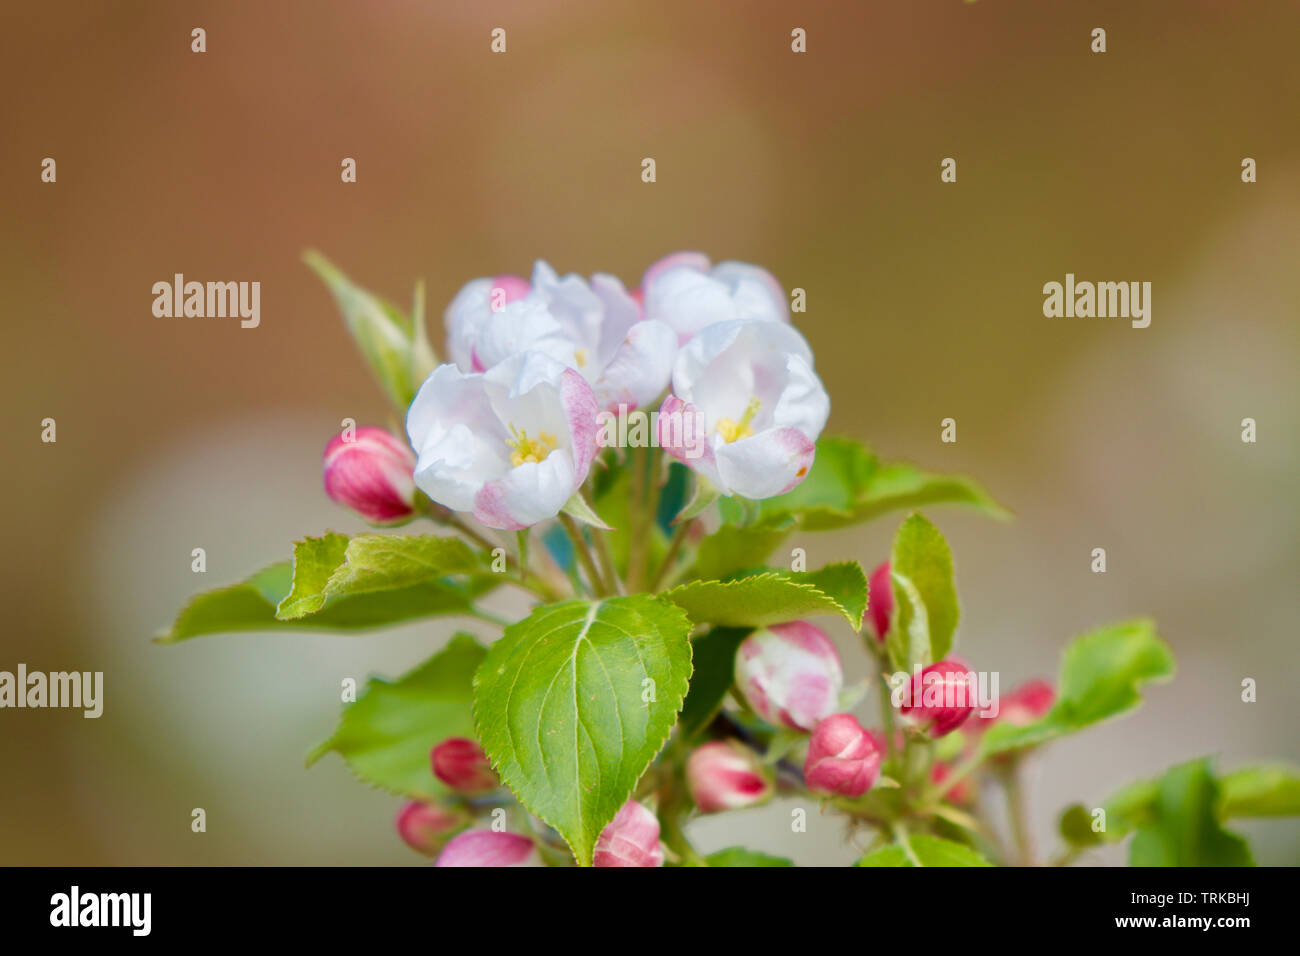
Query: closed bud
790, 674
630, 839
461, 764
372, 474
843, 759
726, 775
489, 848
962, 792
426, 827
1027, 703
940, 698
880, 606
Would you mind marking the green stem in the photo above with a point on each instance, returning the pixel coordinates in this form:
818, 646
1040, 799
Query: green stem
583, 553
901, 836
961, 771
612, 582
488, 616
672, 812
886, 710
1019, 816
639, 541
670, 556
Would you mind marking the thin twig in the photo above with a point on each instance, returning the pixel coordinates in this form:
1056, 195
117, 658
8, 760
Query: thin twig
584, 555
670, 556
612, 582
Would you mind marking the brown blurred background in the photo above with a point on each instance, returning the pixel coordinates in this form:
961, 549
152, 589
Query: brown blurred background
924, 302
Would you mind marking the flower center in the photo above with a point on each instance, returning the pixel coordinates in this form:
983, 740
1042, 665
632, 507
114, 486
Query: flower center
581, 357
530, 449
732, 430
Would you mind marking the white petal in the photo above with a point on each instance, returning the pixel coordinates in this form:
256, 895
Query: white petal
755, 291
528, 494
688, 300
461, 320
522, 325
639, 370
766, 464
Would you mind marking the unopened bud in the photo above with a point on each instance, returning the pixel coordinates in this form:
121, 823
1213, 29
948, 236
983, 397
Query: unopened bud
426, 827
1027, 703
962, 793
461, 764
940, 698
489, 848
372, 475
843, 759
510, 288
726, 775
790, 674
880, 604
630, 839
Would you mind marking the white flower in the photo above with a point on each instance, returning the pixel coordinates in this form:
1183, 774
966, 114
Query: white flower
683, 291
594, 328
746, 407
511, 445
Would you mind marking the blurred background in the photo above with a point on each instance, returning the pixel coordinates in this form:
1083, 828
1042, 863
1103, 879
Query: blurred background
924, 302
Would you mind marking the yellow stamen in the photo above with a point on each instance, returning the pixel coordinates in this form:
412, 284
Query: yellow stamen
732, 430
530, 449
580, 356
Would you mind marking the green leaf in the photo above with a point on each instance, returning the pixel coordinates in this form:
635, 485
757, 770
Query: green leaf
737, 856
773, 597
1101, 674
250, 606
385, 736
1267, 791
386, 338
1129, 809
929, 851
1185, 829
714, 672
895, 486
579, 509
847, 485
925, 596
335, 566
566, 710
704, 494
731, 549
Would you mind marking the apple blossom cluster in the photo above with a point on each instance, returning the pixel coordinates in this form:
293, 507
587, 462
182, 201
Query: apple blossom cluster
791, 676
508, 429
669, 666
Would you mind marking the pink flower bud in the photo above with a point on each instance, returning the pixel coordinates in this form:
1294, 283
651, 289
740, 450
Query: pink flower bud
461, 764
371, 473
426, 827
790, 674
489, 848
510, 289
941, 697
726, 775
880, 605
842, 759
962, 792
1027, 703
630, 839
